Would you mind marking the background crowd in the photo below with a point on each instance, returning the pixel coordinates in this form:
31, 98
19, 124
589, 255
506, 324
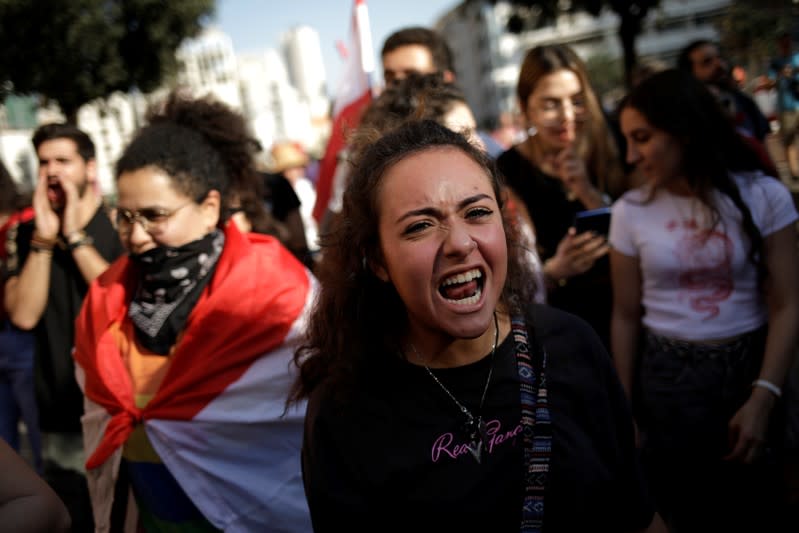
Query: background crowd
447, 341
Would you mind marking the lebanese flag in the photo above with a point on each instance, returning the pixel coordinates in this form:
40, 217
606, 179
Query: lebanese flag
218, 420
353, 95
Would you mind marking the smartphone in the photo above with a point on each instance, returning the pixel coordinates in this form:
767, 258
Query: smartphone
596, 220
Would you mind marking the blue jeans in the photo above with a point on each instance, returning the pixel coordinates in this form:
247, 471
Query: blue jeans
17, 390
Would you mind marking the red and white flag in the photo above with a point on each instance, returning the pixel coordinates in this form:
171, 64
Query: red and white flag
218, 420
353, 94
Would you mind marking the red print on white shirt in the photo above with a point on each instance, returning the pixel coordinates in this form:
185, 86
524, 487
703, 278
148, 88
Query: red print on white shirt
705, 258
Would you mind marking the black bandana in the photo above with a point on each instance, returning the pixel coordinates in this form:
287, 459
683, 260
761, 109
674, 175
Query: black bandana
171, 282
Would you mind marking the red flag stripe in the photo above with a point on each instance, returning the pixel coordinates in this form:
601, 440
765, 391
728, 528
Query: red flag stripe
354, 93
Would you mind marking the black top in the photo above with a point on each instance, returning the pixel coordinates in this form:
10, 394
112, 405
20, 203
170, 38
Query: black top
749, 116
545, 198
59, 398
388, 458
279, 195
588, 295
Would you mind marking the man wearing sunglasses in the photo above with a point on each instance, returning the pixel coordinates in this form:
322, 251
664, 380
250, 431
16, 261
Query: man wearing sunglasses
70, 241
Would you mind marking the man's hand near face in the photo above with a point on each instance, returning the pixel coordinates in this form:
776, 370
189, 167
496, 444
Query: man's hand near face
46, 220
75, 206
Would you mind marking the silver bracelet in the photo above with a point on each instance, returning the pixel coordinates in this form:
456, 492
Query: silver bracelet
769, 386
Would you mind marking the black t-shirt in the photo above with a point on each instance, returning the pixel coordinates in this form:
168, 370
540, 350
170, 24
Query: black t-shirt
279, 195
587, 295
550, 208
59, 399
749, 116
389, 459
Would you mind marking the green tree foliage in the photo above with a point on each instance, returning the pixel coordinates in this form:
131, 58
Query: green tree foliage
631, 13
749, 30
605, 73
73, 51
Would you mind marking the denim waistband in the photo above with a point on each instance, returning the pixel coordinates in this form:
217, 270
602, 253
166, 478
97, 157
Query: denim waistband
683, 348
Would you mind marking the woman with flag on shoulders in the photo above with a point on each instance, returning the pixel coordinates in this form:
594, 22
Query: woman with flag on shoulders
184, 347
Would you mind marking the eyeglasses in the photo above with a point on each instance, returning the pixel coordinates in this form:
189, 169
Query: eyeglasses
554, 110
151, 220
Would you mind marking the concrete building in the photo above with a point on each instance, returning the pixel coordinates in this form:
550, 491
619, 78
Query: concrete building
303, 55
111, 122
19, 157
207, 64
273, 106
18, 119
487, 56
258, 85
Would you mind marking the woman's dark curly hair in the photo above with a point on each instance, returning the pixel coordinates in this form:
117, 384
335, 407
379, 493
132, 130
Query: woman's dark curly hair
676, 103
202, 144
358, 317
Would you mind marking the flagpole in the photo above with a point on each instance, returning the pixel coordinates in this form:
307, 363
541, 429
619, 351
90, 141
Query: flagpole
356, 89
365, 41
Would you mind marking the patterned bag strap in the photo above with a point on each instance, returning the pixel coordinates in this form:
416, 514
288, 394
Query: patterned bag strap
536, 427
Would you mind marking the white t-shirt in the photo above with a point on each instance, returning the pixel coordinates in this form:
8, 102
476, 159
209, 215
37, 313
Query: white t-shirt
306, 192
697, 281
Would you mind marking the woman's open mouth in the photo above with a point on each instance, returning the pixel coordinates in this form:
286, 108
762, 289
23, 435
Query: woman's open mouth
463, 289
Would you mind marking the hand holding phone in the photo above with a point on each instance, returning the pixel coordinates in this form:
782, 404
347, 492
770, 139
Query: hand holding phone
596, 220
576, 254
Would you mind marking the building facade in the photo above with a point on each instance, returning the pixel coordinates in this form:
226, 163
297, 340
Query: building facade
258, 84
208, 65
303, 55
488, 56
274, 107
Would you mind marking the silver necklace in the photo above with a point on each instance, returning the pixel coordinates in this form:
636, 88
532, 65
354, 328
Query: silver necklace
475, 427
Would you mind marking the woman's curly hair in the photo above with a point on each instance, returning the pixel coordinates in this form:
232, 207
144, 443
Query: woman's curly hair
357, 317
201, 143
